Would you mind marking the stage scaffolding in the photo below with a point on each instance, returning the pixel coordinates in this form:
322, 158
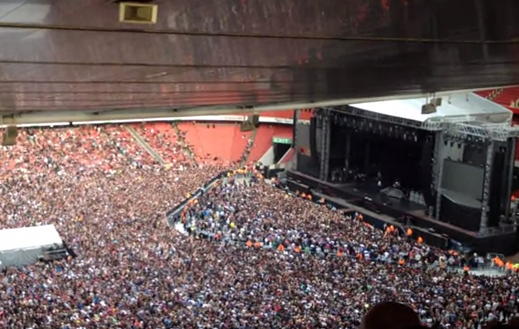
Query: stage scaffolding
460, 129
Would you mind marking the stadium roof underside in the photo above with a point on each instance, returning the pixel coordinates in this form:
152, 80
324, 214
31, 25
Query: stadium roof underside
74, 61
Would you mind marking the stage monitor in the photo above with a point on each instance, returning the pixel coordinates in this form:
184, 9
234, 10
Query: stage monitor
463, 178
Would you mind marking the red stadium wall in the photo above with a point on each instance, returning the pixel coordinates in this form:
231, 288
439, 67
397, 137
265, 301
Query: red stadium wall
225, 142
305, 114
215, 142
507, 97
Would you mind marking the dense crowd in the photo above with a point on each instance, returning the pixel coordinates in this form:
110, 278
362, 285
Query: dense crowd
256, 257
352, 265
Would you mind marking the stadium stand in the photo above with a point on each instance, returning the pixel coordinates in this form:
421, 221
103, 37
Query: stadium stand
509, 97
163, 138
125, 143
240, 142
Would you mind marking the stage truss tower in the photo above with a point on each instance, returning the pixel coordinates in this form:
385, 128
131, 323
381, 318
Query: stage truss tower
324, 164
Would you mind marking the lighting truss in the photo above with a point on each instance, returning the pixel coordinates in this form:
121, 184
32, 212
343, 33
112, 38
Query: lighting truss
502, 132
457, 119
432, 125
464, 130
376, 116
486, 131
459, 126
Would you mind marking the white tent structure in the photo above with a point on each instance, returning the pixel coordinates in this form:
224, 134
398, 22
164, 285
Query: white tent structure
26, 245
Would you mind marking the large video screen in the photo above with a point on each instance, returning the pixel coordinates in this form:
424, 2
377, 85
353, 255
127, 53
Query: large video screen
463, 178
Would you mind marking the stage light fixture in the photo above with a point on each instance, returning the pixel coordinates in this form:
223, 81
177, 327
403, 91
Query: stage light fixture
9, 136
428, 108
138, 13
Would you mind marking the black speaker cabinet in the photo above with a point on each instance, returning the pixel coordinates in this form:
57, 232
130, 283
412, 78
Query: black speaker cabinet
9, 136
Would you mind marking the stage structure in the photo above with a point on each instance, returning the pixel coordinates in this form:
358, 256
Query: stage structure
450, 168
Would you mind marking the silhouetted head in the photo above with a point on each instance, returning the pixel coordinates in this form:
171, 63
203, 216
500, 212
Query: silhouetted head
390, 315
512, 324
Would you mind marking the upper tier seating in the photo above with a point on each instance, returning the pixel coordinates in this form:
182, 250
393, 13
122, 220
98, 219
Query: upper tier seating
215, 142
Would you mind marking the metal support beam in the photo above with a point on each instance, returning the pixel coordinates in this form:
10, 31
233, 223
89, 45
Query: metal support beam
482, 28
486, 188
347, 152
439, 149
296, 122
437, 157
56, 117
325, 146
512, 145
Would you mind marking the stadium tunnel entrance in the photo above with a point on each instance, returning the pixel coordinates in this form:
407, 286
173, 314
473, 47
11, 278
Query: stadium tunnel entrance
281, 147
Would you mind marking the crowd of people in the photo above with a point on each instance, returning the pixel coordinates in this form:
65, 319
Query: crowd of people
255, 256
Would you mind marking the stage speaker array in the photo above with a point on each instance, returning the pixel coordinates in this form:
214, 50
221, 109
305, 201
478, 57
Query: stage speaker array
250, 123
313, 140
428, 108
496, 185
255, 120
427, 171
431, 107
9, 136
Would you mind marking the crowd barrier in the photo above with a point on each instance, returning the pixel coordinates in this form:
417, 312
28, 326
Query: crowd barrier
172, 215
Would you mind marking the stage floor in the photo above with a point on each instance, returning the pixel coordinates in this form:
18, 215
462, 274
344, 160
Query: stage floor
364, 190
367, 198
